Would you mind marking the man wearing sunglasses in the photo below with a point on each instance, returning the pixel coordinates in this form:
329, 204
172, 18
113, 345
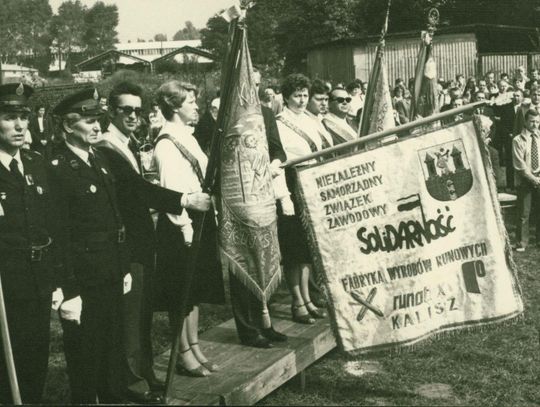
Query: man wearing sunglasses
336, 121
135, 198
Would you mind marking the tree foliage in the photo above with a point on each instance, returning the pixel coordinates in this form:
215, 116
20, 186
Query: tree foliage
280, 32
189, 32
101, 21
30, 33
160, 37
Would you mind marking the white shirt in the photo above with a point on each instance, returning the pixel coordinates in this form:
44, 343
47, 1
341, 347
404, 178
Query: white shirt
293, 144
121, 142
40, 123
6, 159
175, 171
79, 152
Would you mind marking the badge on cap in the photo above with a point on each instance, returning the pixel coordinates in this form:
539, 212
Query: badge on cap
39, 190
3, 196
20, 90
29, 179
93, 188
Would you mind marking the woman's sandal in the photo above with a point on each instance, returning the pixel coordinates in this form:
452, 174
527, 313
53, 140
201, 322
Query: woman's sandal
199, 371
211, 366
301, 319
316, 312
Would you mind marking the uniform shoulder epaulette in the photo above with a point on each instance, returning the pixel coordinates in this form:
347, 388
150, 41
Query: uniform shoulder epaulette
30, 154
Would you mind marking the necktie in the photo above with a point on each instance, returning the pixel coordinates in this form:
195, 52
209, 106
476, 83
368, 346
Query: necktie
534, 154
134, 148
92, 161
14, 168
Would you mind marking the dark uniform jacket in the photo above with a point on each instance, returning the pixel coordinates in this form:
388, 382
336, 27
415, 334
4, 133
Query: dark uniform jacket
93, 232
37, 136
135, 197
27, 219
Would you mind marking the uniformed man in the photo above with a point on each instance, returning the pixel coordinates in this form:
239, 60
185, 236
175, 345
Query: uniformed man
26, 254
96, 258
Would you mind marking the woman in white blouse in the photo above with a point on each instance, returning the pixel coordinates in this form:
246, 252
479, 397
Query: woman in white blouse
182, 164
300, 135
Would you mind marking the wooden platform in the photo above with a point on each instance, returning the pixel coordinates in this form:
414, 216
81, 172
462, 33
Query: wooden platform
248, 374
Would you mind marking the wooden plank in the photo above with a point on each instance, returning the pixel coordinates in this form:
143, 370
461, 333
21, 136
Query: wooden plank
248, 374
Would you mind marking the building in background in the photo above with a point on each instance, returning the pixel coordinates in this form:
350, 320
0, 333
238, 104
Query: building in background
471, 50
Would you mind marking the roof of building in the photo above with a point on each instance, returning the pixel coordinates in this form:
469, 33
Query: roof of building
490, 37
129, 46
18, 68
187, 50
122, 56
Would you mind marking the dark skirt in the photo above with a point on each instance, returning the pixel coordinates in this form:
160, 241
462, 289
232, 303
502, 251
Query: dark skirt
172, 266
293, 241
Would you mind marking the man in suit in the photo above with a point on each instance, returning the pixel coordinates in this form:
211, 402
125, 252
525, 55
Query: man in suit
507, 112
526, 153
27, 260
96, 271
135, 198
41, 130
340, 126
519, 123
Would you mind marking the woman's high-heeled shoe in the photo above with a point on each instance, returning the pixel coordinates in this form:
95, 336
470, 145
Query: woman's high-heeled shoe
301, 318
315, 312
211, 366
199, 371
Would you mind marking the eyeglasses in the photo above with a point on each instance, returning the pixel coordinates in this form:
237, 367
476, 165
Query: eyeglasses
130, 109
342, 100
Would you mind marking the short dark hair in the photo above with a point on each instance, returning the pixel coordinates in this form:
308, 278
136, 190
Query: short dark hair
294, 82
353, 85
531, 112
317, 88
124, 88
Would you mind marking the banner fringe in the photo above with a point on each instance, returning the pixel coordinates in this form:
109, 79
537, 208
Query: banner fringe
229, 265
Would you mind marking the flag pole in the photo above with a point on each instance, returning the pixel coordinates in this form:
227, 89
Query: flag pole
230, 66
374, 136
363, 128
8, 352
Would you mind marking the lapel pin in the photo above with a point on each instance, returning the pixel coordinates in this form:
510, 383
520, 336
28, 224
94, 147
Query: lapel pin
104, 171
74, 164
29, 179
39, 190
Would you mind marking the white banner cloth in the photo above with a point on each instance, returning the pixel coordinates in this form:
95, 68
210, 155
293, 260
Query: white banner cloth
409, 241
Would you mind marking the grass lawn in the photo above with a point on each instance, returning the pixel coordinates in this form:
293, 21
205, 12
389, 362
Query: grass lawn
499, 366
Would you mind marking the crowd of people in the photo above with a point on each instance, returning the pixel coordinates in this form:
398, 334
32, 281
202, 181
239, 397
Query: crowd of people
77, 232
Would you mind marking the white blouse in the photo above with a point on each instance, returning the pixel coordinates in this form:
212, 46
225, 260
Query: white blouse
175, 171
293, 144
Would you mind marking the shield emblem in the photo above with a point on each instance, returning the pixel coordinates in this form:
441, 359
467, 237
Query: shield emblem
447, 171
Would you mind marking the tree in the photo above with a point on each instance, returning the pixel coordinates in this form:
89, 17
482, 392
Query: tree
67, 29
160, 37
100, 33
189, 32
215, 36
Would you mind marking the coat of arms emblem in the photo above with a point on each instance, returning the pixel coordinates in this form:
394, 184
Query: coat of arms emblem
447, 171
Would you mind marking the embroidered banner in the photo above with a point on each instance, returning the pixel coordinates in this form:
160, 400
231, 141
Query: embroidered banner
409, 241
248, 225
